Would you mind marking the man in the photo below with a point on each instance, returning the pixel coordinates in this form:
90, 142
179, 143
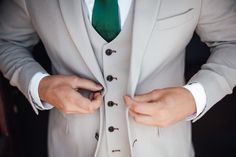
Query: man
118, 87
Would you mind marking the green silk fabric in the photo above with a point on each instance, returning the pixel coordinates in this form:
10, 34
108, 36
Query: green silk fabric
105, 18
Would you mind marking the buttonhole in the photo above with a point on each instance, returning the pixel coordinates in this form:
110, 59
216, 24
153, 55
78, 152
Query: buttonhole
134, 142
116, 150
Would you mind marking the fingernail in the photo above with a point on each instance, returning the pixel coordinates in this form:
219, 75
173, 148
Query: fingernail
99, 86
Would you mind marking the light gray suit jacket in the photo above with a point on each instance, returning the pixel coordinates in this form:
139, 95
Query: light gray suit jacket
161, 31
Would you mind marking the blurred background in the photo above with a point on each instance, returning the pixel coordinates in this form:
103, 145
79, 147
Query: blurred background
24, 134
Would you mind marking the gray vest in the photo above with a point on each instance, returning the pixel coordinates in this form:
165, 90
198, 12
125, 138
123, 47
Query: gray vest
114, 61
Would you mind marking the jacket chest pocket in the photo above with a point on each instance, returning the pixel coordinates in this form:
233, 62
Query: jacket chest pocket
175, 20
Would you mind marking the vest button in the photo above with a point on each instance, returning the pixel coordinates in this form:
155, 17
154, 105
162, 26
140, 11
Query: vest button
110, 103
109, 78
108, 52
111, 129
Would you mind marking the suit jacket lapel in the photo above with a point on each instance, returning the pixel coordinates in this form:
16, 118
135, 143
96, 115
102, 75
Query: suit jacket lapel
72, 13
145, 15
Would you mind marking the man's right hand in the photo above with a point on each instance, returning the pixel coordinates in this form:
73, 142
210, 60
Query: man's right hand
63, 93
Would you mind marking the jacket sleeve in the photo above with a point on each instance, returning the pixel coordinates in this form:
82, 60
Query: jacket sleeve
217, 28
17, 37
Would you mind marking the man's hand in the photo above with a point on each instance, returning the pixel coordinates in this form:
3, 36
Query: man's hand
161, 107
63, 93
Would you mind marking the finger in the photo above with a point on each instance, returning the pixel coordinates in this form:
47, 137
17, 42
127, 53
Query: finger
139, 107
97, 100
142, 119
71, 106
132, 113
91, 105
96, 95
84, 103
128, 101
147, 97
86, 84
146, 108
77, 110
143, 97
81, 102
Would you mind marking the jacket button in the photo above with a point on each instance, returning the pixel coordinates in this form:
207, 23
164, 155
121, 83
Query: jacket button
111, 129
110, 78
111, 103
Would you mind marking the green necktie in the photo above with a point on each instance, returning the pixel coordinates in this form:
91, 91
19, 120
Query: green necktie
105, 18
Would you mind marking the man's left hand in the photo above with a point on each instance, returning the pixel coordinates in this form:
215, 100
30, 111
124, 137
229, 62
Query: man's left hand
161, 107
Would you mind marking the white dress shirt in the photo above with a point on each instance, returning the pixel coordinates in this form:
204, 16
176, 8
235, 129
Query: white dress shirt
196, 89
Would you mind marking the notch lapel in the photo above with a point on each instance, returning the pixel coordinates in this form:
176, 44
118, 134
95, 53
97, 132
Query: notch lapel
145, 15
72, 13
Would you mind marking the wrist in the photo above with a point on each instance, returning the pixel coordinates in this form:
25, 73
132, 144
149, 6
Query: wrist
42, 87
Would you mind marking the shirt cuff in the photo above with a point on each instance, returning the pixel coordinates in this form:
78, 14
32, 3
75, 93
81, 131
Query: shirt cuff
199, 96
33, 92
